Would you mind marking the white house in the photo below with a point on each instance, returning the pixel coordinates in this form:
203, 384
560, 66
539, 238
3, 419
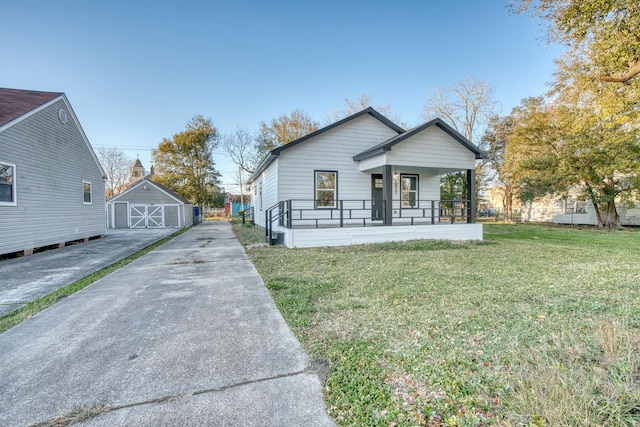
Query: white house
51, 182
148, 204
365, 179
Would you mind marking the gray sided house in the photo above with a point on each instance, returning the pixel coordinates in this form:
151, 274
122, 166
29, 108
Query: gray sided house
364, 179
148, 204
51, 182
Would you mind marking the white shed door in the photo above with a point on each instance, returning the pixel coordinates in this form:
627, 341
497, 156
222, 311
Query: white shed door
144, 216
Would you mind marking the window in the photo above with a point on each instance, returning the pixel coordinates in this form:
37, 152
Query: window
86, 192
7, 184
260, 194
409, 191
326, 189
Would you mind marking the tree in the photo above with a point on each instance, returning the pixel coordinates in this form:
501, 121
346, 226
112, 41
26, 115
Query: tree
498, 141
116, 166
283, 130
185, 162
467, 106
353, 106
604, 35
590, 145
239, 146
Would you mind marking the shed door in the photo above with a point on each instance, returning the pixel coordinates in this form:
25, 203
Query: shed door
146, 216
120, 215
155, 216
138, 216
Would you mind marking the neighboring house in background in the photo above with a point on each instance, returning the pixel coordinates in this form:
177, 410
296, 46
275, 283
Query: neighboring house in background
571, 210
233, 204
148, 204
52, 187
364, 179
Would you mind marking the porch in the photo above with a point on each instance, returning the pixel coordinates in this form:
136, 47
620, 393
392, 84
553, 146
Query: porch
309, 223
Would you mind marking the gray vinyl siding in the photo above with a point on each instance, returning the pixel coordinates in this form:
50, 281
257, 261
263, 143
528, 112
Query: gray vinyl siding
332, 151
151, 196
52, 160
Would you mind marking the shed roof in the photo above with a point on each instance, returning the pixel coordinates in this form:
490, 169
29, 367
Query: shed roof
17, 102
147, 179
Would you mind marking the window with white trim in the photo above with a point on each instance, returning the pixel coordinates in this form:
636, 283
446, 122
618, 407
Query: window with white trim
409, 191
7, 184
326, 189
86, 193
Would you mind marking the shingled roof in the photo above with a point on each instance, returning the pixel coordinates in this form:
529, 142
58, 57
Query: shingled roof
17, 102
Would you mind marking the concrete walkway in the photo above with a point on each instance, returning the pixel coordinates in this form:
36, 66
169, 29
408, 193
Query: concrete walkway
185, 335
22, 280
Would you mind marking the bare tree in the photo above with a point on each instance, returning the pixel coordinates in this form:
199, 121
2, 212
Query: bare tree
365, 100
116, 165
239, 147
467, 106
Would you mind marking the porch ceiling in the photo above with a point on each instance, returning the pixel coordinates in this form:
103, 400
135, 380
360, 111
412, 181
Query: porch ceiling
409, 169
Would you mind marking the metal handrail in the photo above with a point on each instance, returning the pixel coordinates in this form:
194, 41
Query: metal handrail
355, 212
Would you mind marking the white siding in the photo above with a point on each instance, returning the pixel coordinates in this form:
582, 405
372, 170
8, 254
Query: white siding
268, 180
52, 160
332, 150
432, 148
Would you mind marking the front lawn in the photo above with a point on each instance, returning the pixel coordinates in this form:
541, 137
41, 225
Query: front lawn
536, 326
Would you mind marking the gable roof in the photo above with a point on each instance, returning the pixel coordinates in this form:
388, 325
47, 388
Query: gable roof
386, 145
18, 104
15, 103
276, 152
147, 180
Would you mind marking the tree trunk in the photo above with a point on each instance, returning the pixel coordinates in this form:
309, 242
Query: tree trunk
612, 220
594, 201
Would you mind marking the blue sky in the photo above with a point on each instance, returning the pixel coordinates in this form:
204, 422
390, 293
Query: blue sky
136, 71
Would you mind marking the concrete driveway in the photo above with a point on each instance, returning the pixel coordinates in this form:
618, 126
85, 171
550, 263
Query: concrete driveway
27, 278
185, 335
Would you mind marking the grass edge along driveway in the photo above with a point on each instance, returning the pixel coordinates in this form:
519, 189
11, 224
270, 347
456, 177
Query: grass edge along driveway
538, 325
29, 310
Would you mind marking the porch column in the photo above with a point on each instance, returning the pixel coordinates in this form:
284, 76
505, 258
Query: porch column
471, 195
387, 194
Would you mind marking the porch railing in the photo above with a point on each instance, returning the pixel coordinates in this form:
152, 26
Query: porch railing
309, 213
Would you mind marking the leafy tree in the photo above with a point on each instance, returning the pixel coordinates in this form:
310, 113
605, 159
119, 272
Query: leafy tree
185, 162
467, 106
283, 130
591, 145
116, 166
603, 35
498, 141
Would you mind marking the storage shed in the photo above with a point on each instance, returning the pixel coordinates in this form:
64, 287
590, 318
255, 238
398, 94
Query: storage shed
148, 204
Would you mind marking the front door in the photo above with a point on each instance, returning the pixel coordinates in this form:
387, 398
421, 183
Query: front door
377, 204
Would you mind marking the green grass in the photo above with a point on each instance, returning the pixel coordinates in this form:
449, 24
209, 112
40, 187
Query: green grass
536, 326
34, 307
